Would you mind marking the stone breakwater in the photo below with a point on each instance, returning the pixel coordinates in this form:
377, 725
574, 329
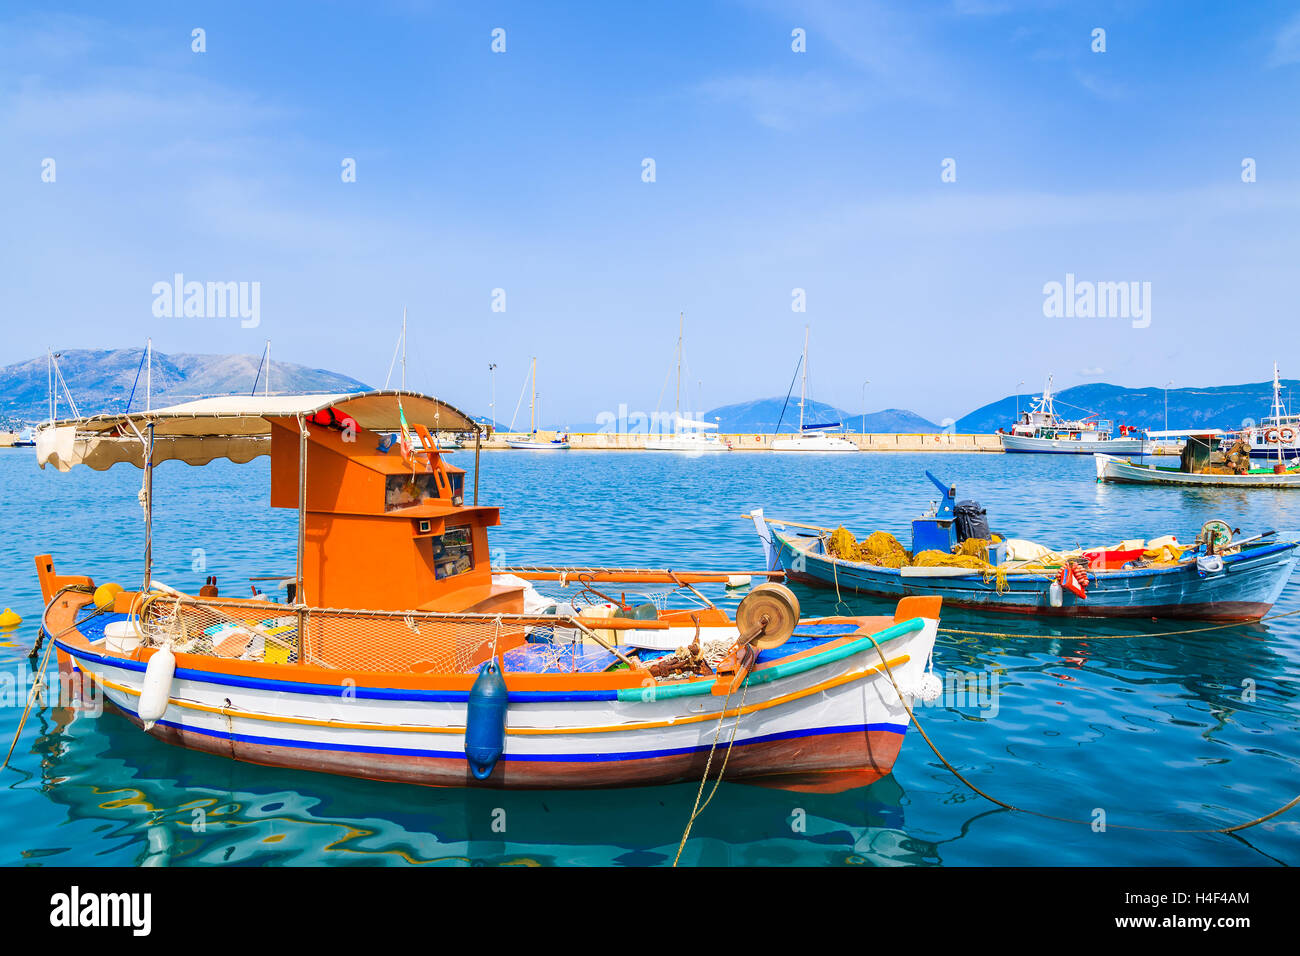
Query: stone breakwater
760, 442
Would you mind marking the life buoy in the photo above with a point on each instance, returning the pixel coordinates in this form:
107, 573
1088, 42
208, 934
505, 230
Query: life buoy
1075, 579
1288, 435
1272, 436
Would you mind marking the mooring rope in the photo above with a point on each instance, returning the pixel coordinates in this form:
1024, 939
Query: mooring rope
1048, 816
40, 675
697, 809
1108, 637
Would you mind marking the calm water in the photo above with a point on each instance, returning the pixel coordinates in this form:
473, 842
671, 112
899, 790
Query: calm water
1153, 730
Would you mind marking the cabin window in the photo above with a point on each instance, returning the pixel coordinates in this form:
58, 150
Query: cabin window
453, 552
405, 490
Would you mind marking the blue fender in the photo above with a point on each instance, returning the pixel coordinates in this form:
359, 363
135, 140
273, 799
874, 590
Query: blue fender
485, 720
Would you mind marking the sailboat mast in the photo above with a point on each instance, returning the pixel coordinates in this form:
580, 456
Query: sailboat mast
677, 407
532, 402
267, 389
148, 375
803, 381
403, 348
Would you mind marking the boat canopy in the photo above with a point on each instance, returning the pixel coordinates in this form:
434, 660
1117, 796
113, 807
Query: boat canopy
237, 427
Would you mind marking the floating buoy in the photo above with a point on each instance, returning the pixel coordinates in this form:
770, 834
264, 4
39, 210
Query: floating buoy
106, 594
156, 693
9, 618
485, 721
738, 580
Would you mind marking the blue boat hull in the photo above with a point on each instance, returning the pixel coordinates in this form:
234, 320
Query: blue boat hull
1245, 590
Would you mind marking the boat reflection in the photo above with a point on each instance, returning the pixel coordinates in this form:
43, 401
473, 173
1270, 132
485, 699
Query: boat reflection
170, 806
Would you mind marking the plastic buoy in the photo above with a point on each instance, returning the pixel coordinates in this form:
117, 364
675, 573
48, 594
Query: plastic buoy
485, 721
156, 692
106, 594
738, 580
9, 618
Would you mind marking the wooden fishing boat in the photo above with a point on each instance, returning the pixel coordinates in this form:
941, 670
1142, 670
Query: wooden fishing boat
1220, 579
1125, 472
397, 656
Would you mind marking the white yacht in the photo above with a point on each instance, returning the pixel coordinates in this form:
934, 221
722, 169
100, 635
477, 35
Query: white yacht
817, 437
688, 435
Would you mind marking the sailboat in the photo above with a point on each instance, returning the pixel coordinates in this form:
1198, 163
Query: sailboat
533, 443
687, 434
812, 437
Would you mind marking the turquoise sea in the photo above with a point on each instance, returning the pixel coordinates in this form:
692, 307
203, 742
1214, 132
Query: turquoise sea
1159, 730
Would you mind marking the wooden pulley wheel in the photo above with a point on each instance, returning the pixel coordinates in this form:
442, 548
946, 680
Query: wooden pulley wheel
772, 607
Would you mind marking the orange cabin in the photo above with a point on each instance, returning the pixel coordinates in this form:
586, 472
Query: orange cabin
384, 532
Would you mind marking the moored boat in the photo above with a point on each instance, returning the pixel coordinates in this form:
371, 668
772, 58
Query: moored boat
818, 437
397, 656
1041, 430
1125, 472
1217, 577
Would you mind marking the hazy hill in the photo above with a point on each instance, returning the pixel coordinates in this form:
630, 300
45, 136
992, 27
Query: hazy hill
762, 415
1222, 406
101, 380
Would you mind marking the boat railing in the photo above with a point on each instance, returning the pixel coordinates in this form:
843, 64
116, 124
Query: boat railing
335, 638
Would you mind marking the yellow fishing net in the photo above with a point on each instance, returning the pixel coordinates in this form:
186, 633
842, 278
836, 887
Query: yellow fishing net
880, 548
939, 559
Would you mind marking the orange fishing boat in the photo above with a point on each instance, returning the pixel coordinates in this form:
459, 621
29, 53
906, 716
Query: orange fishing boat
397, 654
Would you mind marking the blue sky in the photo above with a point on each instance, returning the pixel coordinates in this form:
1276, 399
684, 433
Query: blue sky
775, 170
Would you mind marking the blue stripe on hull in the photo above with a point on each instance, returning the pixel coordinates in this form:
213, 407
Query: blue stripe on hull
900, 729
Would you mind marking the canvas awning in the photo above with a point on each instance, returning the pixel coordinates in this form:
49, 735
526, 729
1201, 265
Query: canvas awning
237, 427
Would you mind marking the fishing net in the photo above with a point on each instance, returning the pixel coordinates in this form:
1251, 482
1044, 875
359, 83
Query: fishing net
940, 559
377, 641
880, 548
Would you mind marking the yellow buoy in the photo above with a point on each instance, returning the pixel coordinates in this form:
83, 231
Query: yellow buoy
9, 618
106, 594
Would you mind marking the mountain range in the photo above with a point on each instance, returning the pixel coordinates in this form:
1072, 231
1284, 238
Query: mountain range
102, 380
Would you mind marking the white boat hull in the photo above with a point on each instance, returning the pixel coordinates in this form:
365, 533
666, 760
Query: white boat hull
1122, 471
841, 714
816, 443
1066, 446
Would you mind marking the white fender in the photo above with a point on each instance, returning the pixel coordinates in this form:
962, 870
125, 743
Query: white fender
157, 690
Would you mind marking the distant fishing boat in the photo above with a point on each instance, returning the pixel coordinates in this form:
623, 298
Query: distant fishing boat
1277, 436
812, 438
398, 656
534, 443
1123, 471
1041, 430
688, 435
1217, 578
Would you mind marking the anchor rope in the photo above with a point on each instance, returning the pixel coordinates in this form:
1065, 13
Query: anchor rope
40, 675
1107, 637
1049, 816
698, 809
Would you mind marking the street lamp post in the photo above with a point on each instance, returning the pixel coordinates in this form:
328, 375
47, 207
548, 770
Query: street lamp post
1167, 384
1018, 384
492, 372
864, 405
